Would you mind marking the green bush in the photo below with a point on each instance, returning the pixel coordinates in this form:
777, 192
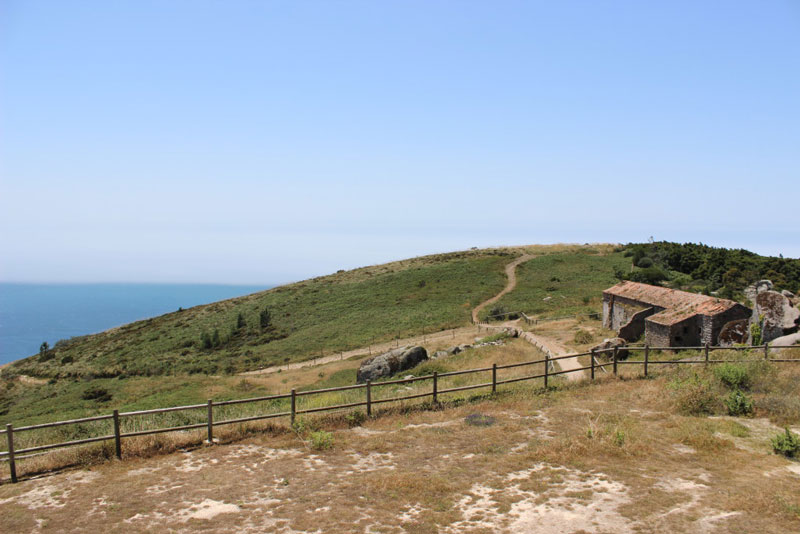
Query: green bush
96, 393
739, 403
786, 444
735, 376
696, 398
755, 333
321, 440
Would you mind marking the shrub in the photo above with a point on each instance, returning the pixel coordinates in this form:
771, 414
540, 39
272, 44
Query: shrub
787, 444
240, 322
696, 398
645, 263
321, 440
649, 275
264, 318
739, 403
67, 359
755, 333
735, 376
355, 418
96, 393
583, 336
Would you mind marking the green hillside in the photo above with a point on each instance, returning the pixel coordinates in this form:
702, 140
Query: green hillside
342, 311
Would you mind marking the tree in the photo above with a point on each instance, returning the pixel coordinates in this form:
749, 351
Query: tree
264, 318
43, 348
205, 340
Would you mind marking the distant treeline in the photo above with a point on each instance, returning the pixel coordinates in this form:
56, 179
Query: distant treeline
705, 268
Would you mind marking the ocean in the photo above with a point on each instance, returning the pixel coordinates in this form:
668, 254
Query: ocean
33, 313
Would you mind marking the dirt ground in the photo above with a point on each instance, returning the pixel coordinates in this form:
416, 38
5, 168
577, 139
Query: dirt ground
611, 456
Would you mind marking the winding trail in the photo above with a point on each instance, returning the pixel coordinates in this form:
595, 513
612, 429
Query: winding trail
546, 345
511, 274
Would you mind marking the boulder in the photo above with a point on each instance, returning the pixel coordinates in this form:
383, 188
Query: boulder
753, 289
391, 362
610, 343
734, 333
781, 318
786, 341
439, 354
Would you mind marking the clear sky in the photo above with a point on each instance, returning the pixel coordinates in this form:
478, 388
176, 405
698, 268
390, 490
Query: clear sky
266, 141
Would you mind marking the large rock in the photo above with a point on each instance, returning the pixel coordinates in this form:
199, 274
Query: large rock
734, 333
753, 289
786, 341
391, 362
610, 343
781, 318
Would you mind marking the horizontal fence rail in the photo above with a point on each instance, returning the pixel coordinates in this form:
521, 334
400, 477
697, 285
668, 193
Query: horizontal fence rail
11, 455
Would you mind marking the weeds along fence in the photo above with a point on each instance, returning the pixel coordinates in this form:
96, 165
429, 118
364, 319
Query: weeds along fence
118, 427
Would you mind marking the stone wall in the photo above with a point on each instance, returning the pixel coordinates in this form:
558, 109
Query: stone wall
656, 335
617, 311
634, 328
687, 333
712, 325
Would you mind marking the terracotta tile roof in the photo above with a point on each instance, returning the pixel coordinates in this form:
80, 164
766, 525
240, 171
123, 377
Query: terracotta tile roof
679, 305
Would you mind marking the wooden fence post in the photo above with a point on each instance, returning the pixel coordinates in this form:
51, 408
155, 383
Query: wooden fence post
546, 368
766, 351
369, 398
616, 349
117, 437
646, 358
435, 387
12, 464
294, 407
210, 422
494, 378
708, 350
591, 355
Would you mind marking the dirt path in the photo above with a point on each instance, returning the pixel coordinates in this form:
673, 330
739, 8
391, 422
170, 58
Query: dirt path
548, 346
511, 273
372, 349
556, 349
415, 340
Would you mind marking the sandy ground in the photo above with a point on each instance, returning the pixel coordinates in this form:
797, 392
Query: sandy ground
534, 471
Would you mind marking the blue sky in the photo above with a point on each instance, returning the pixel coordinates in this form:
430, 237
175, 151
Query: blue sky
260, 142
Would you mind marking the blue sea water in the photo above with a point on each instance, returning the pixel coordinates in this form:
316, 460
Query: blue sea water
33, 313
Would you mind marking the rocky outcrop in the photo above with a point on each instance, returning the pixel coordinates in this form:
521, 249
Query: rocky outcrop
753, 289
734, 333
786, 341
610, 343
391, 362
780, 317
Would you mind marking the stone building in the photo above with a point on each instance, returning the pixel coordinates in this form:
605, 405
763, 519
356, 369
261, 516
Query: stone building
667, 317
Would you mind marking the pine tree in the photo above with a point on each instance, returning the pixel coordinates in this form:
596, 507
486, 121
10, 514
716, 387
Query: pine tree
264, 318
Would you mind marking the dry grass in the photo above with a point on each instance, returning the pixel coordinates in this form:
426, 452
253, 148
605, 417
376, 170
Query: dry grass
547, 457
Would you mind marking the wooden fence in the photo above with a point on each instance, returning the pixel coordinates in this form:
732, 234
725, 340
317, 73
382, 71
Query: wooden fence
12, 455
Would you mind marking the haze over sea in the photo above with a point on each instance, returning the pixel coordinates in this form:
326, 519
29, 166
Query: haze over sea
33, 313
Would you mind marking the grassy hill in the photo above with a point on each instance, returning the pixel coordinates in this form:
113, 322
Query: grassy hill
188, 356
342, 311
166, 360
